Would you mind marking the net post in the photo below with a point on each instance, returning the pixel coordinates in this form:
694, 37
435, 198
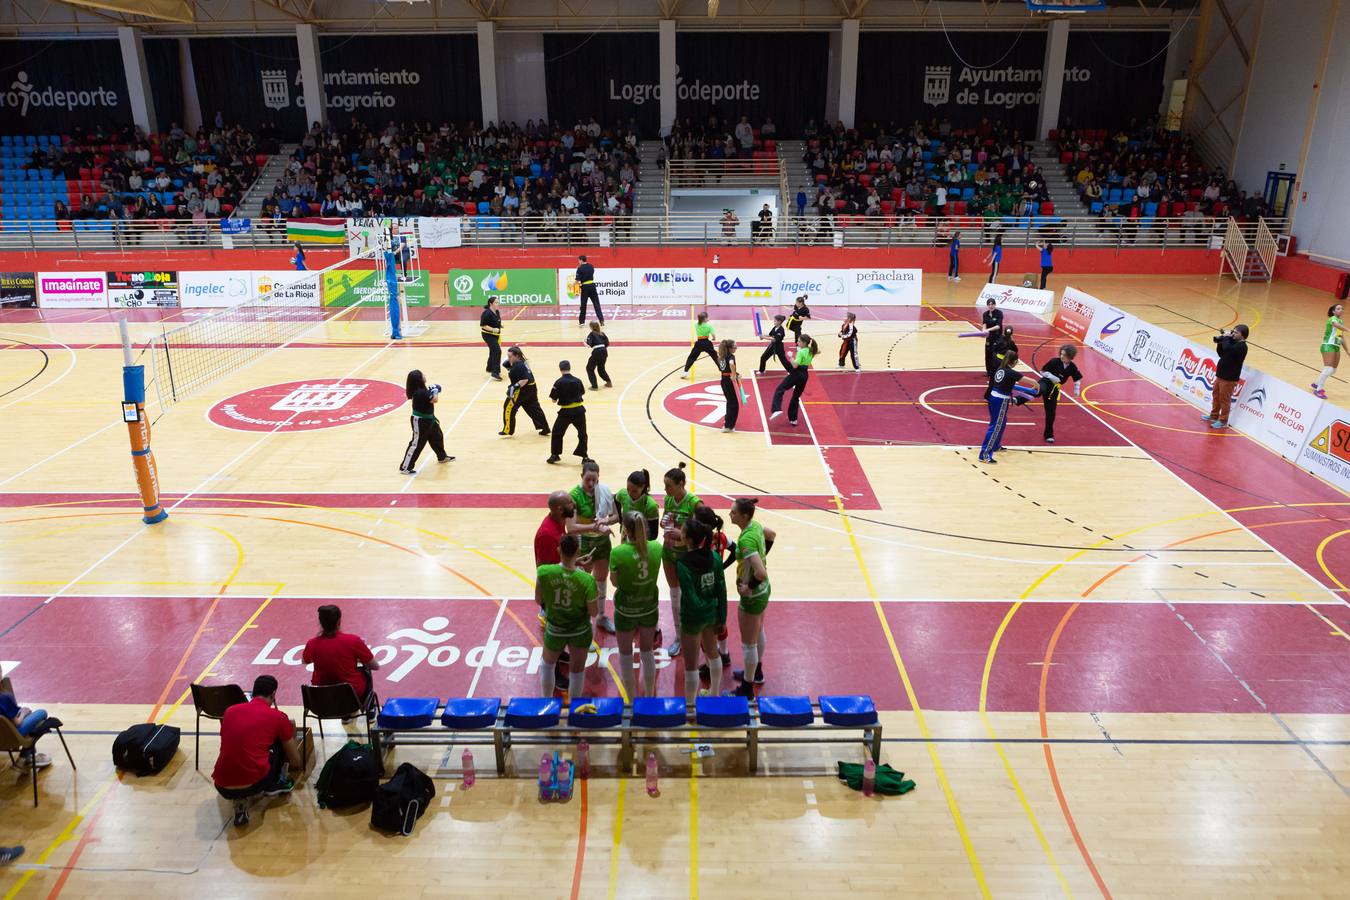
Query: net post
138, 431
393, 303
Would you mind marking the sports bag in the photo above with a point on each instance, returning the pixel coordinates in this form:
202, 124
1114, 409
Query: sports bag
349, 777
401, 800
146, 748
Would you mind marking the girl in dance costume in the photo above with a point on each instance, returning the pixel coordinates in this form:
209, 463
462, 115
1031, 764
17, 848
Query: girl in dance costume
800, 314
731, 383
567, 595
752, 583
1053, 376
807, 348
704, 591
848, 337
598, 341
679, 506
703, 343
426, 428
775, 348
634, 566
596, 512
1333, 338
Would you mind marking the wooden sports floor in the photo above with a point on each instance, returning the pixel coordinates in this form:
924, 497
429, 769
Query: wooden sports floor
1114, 666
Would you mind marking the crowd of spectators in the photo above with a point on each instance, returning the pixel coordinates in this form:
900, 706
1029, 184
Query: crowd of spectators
1144, 171
931, 169
416, 169
128, 175
718, 138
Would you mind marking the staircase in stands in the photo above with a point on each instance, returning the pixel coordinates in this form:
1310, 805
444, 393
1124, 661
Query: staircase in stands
250, 206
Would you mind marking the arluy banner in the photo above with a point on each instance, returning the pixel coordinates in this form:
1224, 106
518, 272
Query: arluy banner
614, 286
135, 290
1021, 299
72, 290
440, 231
1274, 412
1326, 453
668, 286
511, 287
885, 287
741, 287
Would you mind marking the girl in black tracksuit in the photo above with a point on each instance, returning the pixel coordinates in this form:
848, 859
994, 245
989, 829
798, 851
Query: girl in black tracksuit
776, 335
731, 382
426, 428
800, 313
490, 324
1053, 376
848, 337
598, 341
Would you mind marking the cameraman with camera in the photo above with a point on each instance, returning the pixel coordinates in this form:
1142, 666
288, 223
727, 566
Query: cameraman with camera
1232, 350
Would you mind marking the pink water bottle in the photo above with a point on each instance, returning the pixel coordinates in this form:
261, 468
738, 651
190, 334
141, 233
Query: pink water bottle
584, 758
653, 788
545, 777
467, 763
869, 777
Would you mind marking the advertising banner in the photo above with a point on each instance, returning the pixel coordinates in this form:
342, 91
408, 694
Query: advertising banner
741, 287
1111, 331
827, 287
1274, 412
1193, 376
668, 286
440, 231
363, 287
219, 289
1074, 315
18, 289
511, 287
135, 290
1022, 299
615, 287
51, 83
1327, 452
72, 290
1153, 353
885, 287
289, 288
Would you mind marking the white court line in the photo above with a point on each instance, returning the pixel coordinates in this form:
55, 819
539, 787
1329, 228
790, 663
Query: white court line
51, 456
70, 368
759, 403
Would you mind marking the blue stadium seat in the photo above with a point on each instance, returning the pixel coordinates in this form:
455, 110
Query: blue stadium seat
608, 712
968, 193
659, 712
1150, 208
786, 712
468, 713
533, 712
848, 710
408, 712
1096, 207
722, 712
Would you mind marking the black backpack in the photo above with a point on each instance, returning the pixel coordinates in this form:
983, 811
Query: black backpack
349, 777
401, 800
145, 749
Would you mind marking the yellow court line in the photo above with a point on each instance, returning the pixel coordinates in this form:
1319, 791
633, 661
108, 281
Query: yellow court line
1321, 561
973, 858
618, 839
1335, 629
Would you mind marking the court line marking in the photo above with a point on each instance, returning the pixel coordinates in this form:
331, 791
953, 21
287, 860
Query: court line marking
51, 384
613, 890
971, 856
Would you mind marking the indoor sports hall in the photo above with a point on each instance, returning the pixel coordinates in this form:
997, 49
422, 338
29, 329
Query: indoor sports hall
1082, 633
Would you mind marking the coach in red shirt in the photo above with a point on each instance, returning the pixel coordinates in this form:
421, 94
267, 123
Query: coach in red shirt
338, 656
257, 740
551, 530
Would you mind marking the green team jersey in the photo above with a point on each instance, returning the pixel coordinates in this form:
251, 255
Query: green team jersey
703, 330
681, 509
1330, 336
566, 595
751, 543
804, 356
585, 505
636, 578
645, 505
701, 593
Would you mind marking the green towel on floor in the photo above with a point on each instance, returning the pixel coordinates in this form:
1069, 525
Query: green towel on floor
888, 780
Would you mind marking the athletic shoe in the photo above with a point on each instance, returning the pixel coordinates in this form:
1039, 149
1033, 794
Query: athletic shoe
605, 624
1320, 394
285, 787
1216, 424
445, 459
403, 471
728, 430
685, 376
609, 384
744, 689
240, 814
496, 378
545, 432
503, 434
775, 414
674, 649
957, 278
792, 422
1206, 418
705, 672
9, 854
553, 459
988, 459
739, 674
1049, 440
35, 761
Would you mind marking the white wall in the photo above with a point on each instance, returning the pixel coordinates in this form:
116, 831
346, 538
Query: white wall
520, 77
1320, 218
1212, 115
1279, 96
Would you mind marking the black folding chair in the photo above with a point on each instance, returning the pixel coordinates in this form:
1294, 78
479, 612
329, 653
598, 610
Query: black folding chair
211, 702
336, 701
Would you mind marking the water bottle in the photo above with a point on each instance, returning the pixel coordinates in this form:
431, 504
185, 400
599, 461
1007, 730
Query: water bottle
545, 777
869, 777
653, 788
584, 758
467, 763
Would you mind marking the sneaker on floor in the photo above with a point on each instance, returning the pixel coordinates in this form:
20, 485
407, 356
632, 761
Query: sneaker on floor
504, 434
553, 459
792, 422
285, 787
1320, 394
406, 471
609, 384
1206, 418
605, 624
775, 414
739, 674
744, 689
1049, 440
1216, 424
545, 432
35, 761
674, 649
496, 378
240, 815
9, 854
685, 376
728, 430
957, 278
445, 459
988, 459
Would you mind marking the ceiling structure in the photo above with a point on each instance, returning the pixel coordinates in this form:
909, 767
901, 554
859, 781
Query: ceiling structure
91, 18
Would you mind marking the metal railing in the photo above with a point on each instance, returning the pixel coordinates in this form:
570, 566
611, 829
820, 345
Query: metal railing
1266, 247
1235, 245
687, 229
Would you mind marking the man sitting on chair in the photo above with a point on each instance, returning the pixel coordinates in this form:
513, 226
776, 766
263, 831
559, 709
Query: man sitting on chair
340, 657
257, 743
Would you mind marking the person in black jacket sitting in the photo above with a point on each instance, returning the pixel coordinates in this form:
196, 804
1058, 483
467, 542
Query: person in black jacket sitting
1232, 349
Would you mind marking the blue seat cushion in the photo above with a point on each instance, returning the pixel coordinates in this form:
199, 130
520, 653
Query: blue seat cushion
408, 712
533, 712
786, 712
659, 712
722, 712
849, 710
464, 713
608, 712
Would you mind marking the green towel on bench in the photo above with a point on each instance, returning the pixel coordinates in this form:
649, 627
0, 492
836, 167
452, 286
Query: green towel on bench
888, 780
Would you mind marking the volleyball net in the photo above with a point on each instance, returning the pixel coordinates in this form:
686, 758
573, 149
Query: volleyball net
276, 310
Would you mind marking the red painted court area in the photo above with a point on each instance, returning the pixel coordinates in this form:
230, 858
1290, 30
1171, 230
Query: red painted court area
1115, 658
